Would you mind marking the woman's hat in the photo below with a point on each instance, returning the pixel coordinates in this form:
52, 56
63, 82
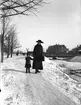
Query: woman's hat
39, 41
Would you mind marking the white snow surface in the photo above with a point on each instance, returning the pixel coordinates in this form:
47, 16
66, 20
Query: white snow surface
57, 76
13, 89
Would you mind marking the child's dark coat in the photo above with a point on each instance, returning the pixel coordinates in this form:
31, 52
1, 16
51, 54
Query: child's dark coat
28, 63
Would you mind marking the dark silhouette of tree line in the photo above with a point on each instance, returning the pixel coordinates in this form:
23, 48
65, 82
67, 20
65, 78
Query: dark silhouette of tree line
11, 41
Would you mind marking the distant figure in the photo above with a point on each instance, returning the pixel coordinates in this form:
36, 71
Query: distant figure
38, 57
28, 63
17, 53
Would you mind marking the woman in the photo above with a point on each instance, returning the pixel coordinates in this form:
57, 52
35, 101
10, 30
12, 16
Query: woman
38, 56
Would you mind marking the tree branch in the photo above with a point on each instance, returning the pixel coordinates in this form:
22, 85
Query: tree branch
29, 6
9, 7
3, 2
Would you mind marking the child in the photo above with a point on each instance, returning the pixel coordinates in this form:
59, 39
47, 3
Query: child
28, 63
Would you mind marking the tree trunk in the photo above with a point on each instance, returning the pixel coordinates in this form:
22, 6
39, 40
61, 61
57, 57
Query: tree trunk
0, 48
8, 50
2, 40
11, 50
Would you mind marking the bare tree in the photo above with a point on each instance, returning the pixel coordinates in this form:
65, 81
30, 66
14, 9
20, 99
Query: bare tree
16, 7
2, 38
11, 40
5, 29
14, 40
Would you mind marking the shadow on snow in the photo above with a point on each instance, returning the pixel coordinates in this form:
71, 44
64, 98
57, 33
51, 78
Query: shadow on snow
18, 71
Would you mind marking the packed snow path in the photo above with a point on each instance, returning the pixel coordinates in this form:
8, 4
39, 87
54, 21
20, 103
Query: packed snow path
29, 89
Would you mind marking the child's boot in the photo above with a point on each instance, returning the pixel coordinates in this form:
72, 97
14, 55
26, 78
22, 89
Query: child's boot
29, 70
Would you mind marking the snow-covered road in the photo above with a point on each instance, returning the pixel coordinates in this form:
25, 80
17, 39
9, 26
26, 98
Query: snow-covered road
20, 88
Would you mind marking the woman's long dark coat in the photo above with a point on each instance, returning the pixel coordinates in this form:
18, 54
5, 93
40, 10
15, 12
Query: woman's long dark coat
38, 54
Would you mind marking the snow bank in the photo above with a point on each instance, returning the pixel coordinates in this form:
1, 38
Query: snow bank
76, 59
69, 65
54, 73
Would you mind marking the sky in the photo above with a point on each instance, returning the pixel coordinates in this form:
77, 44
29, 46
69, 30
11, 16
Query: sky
58, 22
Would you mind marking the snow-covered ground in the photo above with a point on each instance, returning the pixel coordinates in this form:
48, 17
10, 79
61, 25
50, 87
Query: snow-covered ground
54, 72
